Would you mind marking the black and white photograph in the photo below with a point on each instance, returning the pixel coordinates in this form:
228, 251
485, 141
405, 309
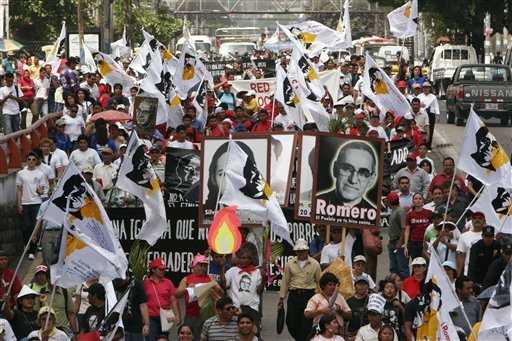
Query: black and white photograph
144, 111
282, 158
182, 173
348, 181
214, 158
304, 186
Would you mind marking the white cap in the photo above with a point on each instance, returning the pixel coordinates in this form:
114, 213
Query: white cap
301, 245
376, 303
359, 258
419, 261
450, 264
26, 291
345, 100
408, 116
219, 109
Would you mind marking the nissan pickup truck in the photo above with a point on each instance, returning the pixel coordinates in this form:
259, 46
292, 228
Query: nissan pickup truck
487, 86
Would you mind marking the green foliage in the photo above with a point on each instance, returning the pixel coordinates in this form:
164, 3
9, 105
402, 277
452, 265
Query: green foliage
138, 259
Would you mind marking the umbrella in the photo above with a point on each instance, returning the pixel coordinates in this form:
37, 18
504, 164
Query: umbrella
7, 45
112, 116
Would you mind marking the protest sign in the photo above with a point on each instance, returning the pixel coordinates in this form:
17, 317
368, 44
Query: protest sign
182, 172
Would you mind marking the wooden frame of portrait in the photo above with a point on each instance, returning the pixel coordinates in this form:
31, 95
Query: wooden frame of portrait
205, 221
291, 166
298, 215
378, 147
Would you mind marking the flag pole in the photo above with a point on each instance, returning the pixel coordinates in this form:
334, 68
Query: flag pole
449, 194
505, 219
470, 204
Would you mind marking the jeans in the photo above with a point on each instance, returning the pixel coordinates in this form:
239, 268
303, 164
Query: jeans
415, 249
398, 263
155, 328
298, 325
133, 336
28, 222
11, 123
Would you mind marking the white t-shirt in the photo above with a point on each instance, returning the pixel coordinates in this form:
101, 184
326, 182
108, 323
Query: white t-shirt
73, 126
48, 172
93, 90
421, 119
330, 252
58, 159
42, 86
88, 158
466, 240
371, 283
10, 107
58, 336
8, 333
105, 174
381, 131
242, 287
183, 145
29, 180
430, 101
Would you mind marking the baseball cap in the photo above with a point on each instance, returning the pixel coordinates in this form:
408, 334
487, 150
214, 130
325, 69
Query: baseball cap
360, 279
416, 85
411, 156
419, 261
450, 225
427, 84
124, 145
61, 122
449, 264
478, 213
41, 268
488, 231
45, 310
392, 197
26, 291
157, 263
199, 259
359, 258
219, 110
87, 169
301, 245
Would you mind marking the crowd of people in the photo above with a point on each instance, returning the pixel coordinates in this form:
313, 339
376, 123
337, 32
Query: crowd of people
427, 214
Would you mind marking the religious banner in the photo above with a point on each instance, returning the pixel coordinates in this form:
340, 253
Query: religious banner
182, 172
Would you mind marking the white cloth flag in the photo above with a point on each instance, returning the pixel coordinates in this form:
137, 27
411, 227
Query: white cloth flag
112, 72
277, 42
137, 176
315, 36
285, 94
436, 272
381, 89
403, 20
344, 27
113, 313
89, 247
497, 321
120, 47
148, 60
58, 48
252, 195
495, 202
89, 61
482, 156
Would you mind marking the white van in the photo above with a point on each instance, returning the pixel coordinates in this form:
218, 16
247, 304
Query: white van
389, 53
444, 61
201, 43
230, 50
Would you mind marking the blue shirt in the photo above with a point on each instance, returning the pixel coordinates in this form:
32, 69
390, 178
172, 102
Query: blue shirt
316, 245
420, 80
229, 99
62, 142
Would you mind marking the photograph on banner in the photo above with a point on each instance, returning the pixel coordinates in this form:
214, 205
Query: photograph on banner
182, 240
347, 184
214, 157
282, 159
144, 112
304, 176
395, 158
182, 173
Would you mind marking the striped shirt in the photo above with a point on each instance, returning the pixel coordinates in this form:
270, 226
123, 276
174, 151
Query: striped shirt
214, 330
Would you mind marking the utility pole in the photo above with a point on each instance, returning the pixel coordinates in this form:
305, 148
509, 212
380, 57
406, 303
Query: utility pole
127, 8
80, 21
106, 27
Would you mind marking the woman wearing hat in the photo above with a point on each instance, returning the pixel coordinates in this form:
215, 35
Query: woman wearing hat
193, 316
160, 293
23, 318
47, 331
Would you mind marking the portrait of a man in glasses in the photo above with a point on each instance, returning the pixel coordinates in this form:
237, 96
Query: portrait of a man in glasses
354, 173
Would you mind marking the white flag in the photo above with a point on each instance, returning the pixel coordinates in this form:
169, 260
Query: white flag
89, 247
148, 60
114, 313
137, 176
497, 321
495, 203
112, 72
89, 61
120, 47
315, 36
285, 94
403, 21
53, 58
344, 27
381, 89
482, 156
245, 188
277, 42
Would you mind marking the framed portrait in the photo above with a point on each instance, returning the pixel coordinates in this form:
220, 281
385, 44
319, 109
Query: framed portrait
144, 112
304, 176
282, 158
182, 172
214, 158
347, 184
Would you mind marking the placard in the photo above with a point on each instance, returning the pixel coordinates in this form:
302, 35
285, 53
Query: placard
92, 40
144, 112
182, 174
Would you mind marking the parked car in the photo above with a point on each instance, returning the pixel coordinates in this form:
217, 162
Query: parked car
487, 86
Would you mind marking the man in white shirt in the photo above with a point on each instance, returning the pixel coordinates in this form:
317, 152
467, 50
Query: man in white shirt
84, 156
56, 158
332, 250
31, 185
421, 118
466, 240
42, 85
90, 84
431, 105
106, 171
375, 124
10, 101
180, 139
75, 124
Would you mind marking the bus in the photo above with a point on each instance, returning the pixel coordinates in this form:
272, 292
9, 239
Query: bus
237, 34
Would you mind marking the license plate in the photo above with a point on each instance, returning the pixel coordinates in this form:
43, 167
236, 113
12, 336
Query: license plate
491, 106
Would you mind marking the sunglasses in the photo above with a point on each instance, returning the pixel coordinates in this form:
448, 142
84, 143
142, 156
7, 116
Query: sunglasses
31, 159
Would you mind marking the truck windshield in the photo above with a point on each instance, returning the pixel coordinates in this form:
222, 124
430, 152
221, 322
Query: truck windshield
484, 73
455, 54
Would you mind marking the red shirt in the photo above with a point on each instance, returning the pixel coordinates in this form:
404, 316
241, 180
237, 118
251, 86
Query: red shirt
262, 127
5, 279
192, 309
412, 287
27, 87
219, 131
418, 221
165, 291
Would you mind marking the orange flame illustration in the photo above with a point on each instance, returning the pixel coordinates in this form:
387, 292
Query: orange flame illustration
224, 236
